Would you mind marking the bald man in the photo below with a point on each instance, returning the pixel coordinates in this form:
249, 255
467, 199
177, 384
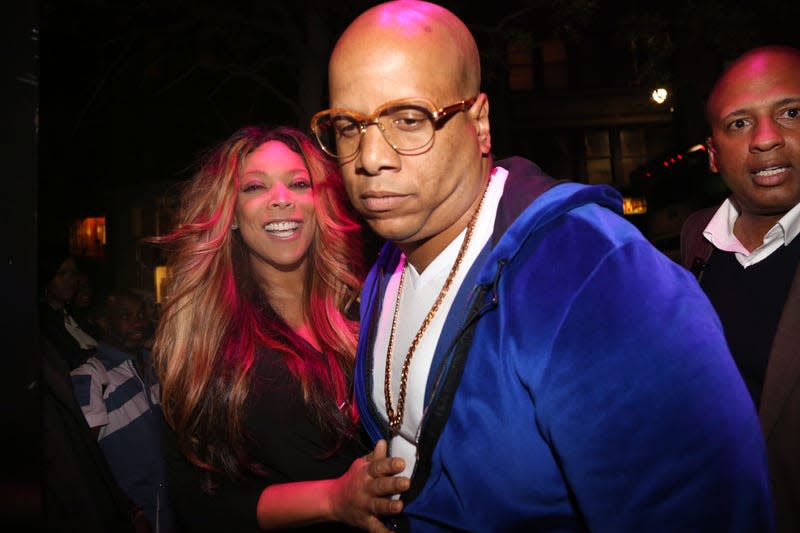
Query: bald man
746, 252
537, 364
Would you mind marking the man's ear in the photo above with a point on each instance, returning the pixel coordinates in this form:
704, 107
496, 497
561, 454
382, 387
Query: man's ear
712, 155
479, 114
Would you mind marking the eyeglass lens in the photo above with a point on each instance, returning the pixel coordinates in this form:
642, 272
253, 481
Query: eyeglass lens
406, 127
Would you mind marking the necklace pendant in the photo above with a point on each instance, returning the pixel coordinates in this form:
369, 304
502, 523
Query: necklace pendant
394, 426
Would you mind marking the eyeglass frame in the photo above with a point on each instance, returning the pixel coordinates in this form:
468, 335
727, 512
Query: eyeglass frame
364, 121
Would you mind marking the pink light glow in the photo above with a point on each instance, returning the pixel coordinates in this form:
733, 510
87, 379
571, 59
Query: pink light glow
404, 20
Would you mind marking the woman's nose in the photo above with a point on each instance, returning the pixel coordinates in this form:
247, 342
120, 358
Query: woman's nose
281, 196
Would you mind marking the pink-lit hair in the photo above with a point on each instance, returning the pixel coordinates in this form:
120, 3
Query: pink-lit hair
215, 317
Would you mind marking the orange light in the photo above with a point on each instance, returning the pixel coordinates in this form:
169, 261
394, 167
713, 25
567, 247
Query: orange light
160, 275
634, 206
88, 237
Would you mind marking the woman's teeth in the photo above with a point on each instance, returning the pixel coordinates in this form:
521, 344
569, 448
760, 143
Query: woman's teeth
283, 228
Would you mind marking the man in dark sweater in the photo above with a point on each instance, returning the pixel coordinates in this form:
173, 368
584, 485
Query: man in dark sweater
746, 252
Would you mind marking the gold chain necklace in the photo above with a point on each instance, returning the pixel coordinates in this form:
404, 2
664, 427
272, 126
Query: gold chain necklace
396, 417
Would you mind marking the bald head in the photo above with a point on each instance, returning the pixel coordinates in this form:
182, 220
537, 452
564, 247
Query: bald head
423, 55
767, 64
421, 31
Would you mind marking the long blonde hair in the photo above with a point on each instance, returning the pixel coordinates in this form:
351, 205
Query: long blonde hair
215, 318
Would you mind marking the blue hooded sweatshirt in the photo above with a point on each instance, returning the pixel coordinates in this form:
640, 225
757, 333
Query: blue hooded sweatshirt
582, 382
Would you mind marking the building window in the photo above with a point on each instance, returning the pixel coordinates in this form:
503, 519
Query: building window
541, 66
555, 71
160, 276
632, 153
520, 65
87, 237
612, 154
597, 150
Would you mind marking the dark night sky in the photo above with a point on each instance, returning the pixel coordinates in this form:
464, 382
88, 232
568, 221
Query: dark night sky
134, 90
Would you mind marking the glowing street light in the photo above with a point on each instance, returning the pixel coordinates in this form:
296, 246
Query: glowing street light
659, 95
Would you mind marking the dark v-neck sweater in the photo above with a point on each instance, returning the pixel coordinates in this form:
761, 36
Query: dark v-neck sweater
749, 302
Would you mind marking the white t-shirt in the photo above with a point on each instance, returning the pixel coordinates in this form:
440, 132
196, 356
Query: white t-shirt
419, 294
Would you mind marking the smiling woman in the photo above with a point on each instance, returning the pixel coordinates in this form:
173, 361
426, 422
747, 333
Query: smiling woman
256, 343
275, 209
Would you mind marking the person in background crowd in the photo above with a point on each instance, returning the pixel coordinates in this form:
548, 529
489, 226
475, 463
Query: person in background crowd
80, 304
746, 252
536, 362
58, 278
255, 346
118, 394
151, 311
79, 492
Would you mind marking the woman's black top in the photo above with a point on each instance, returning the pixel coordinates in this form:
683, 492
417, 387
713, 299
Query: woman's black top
285, 441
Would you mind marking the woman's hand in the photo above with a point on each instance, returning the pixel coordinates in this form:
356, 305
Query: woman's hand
363, 493
359, 497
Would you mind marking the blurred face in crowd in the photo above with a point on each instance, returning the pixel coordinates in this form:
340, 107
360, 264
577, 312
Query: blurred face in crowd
754, 114
275, 208
124, 324
62, 286
83, 293
420, 201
